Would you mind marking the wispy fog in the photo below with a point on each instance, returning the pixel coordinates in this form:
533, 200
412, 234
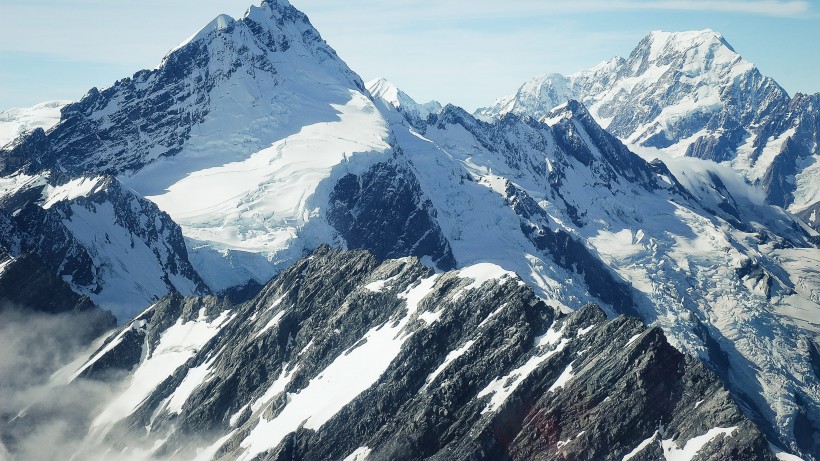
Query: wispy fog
41, 419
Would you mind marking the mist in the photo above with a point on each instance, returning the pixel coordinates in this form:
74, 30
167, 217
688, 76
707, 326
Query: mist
43, 417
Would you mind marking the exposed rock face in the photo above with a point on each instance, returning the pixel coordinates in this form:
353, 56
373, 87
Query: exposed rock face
384, 211
342, 355
790, 178
27, 283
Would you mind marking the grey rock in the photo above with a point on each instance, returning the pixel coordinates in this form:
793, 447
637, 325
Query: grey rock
627, 383
384, 212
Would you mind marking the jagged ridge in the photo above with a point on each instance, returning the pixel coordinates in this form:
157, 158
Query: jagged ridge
343, 356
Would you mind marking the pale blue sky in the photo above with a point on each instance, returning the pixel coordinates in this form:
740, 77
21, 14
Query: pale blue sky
467, 53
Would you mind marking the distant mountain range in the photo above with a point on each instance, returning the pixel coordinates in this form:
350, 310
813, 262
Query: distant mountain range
691, 93
307, 267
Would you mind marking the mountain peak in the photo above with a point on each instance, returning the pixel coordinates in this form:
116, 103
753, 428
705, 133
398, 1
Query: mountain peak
272, 26
279, 8
707, 46
544, 92
688, 38
276, 3
381, 88
221, 22
685, 35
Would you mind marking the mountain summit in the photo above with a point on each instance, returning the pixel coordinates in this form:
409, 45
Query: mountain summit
651, 97
691, 94
231, 136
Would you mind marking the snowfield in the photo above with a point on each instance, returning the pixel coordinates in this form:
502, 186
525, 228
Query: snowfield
14, 122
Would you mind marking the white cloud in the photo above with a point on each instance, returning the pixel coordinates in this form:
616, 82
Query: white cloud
775, 8
456, 9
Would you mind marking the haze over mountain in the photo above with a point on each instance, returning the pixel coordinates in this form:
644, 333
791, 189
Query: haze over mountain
213, 204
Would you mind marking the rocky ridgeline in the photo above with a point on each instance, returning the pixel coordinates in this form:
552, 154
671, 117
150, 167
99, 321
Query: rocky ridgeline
346, 357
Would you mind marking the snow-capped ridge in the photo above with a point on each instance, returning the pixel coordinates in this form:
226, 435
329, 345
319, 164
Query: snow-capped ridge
221, 22
687, 39
703, 54
381, 88
488, 343
78, 187
605, 65
101, 238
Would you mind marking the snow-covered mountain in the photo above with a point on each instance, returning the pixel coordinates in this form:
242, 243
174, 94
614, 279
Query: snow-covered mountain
261, 144
105, 241
14, 122
691, 93
346, 357
231, 135
670, 88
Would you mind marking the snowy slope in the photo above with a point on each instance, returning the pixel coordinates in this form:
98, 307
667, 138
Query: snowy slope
262, 204
14, 122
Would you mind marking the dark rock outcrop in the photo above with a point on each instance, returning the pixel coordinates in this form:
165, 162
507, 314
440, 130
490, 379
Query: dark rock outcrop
472, 371
384, 212
27, 284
